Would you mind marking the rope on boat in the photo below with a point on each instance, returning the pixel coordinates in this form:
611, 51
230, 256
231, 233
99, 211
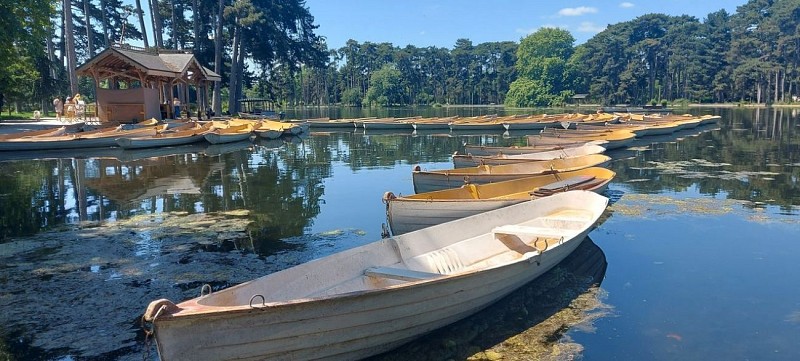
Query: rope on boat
149, 331
387, 197
385, 231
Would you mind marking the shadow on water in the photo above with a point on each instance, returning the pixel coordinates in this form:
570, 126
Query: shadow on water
528, 324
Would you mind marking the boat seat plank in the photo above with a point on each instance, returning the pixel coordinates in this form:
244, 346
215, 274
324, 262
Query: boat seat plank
569, 182
584, 186
399, 274
528, 231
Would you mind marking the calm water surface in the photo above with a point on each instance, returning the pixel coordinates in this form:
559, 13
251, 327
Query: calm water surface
695, 260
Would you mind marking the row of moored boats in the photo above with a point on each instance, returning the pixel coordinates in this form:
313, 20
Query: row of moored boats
491, 123
491, 177
149, 134
469, 236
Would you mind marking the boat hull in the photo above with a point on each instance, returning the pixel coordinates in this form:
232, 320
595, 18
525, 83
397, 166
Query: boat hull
387, 313
463, 161
511, 126
488, 151
432, 126
410, 213
215, 138
477, 127
427, 181
72, 141
151, 142
387, 125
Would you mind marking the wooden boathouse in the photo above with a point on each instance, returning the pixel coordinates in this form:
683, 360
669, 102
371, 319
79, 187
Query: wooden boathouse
134, 83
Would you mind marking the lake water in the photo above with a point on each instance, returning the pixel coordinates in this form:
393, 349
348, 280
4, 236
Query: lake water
696, 258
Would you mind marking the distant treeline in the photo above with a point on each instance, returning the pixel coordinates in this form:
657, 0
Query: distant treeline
269, 49
750, 56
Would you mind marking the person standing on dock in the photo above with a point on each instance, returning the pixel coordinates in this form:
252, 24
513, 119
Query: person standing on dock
176, 105
59, 108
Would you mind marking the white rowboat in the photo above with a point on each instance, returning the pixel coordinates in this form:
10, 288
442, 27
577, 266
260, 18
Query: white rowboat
373, 298
432, 180
468, 160
412, 212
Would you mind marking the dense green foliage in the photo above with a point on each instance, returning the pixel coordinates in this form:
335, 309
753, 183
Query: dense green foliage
24, 69
543, 79
270, 49
751, 56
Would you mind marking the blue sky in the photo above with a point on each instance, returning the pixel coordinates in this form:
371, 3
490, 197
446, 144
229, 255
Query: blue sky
440, 23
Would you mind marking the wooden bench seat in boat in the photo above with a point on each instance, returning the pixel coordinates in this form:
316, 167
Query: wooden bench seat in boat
566, 183
399, 274
528, 231
528, 240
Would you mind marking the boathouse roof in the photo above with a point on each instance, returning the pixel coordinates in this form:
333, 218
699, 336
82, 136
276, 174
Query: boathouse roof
139, 63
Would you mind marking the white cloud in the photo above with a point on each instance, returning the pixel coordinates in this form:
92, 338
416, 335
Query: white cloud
626, 5
578, 11
590, 27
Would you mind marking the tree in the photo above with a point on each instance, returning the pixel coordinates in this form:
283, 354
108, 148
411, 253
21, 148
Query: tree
542, 69
70, 47
140, 16
385, 87
158, 24
286, 36
527, 92
217, 96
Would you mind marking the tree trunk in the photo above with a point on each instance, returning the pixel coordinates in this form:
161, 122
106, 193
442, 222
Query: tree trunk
70, 47
62, 39
89, 29
239, 74
758, 92
174, 32
196, 23
777, 73
158, 28
140, 13
234, 76
51, 51
218, 60
105, 23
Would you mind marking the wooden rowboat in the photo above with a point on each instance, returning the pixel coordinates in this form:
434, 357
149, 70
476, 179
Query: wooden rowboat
91, 139
387, 123
271, 129
432, 180
51, 132
433, 123
484, 123
468, 160
230, 134
614, 138
412, 212
166, 139
336, 123
370, 299
484, 150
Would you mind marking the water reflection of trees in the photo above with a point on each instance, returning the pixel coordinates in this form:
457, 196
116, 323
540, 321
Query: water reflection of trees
754, 156
30, 194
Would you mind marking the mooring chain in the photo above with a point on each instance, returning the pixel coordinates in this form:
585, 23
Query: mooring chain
148, 333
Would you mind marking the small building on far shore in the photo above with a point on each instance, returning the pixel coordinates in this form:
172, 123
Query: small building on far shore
579, 99
134, 83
